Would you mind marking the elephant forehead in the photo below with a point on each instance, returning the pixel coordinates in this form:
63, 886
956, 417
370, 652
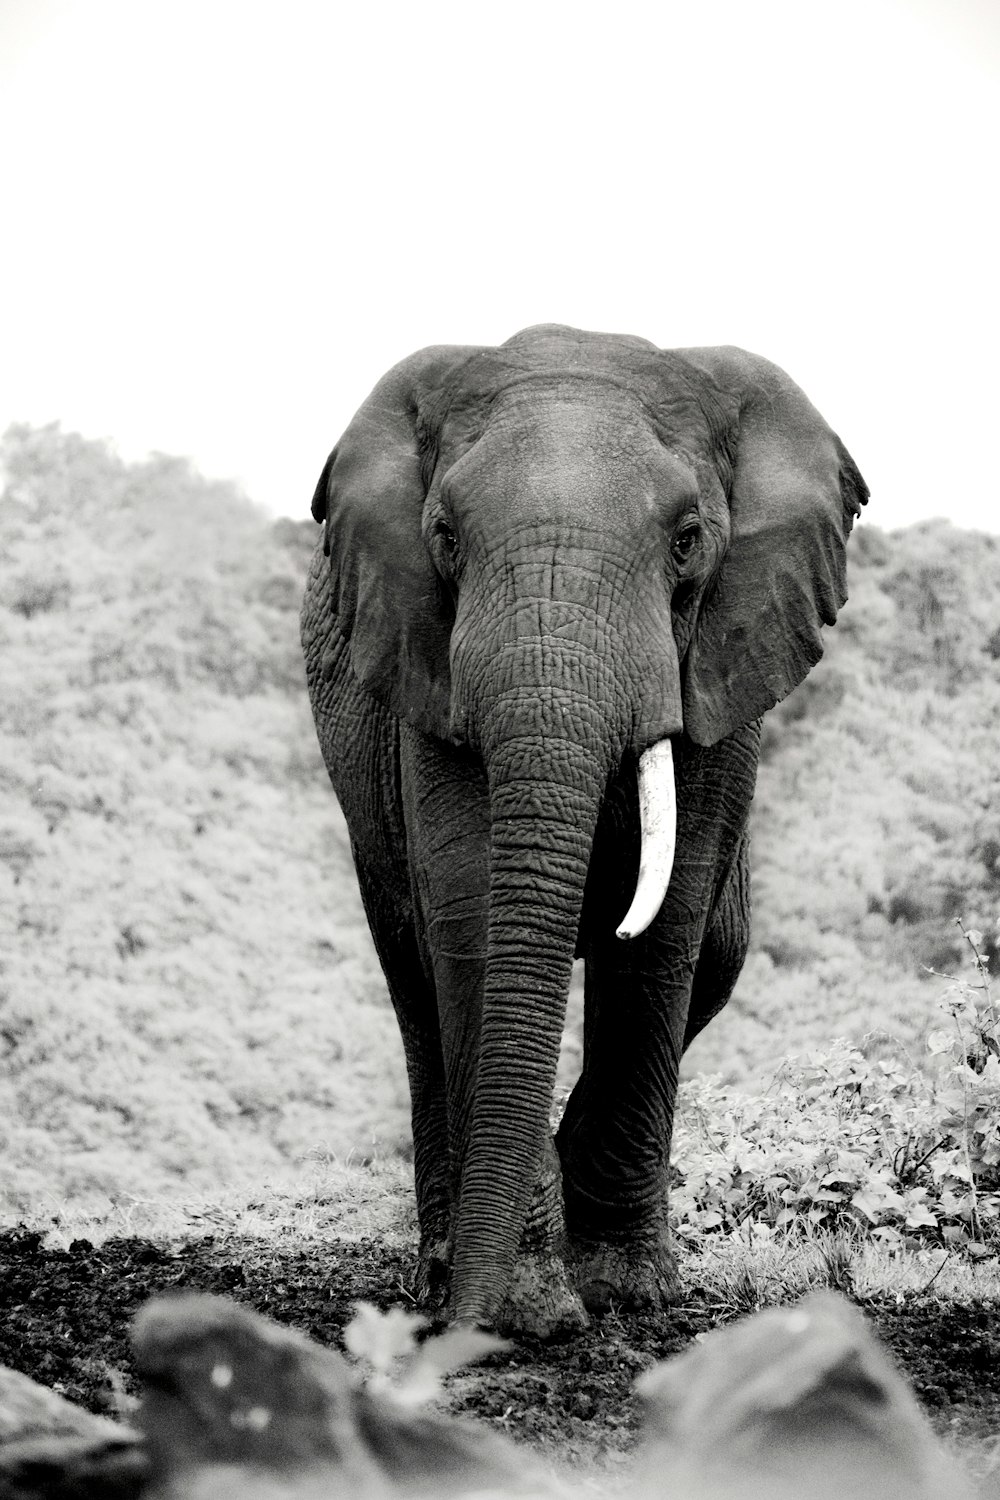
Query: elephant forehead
570, 459
621, 399
558, 339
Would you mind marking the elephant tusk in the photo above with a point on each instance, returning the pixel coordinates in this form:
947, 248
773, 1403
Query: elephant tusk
658, 828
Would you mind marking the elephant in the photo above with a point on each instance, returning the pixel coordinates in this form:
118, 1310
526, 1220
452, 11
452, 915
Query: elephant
560, 582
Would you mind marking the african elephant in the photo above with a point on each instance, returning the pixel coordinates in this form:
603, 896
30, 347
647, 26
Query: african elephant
558, 579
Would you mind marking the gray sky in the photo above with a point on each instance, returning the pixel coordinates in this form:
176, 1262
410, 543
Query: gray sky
224, 220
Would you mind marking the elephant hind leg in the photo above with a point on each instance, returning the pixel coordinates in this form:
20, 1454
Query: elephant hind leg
724, 948
413, 999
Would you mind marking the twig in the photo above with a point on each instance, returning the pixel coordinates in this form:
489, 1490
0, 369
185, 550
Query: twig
984, 973
974, 1218
947, 1257
703, 1122
928, 1154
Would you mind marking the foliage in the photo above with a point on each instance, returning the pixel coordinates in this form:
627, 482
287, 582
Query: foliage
188, 995
860, 1138
877, 816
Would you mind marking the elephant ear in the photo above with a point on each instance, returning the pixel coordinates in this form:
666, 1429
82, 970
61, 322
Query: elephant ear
387, 599
795, 495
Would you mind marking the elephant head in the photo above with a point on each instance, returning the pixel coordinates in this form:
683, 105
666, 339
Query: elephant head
562, 553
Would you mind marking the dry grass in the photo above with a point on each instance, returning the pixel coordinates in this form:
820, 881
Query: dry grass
353, 1201
329, 1200
745, 1277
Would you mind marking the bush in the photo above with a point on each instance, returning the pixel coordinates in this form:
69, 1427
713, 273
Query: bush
857, 1137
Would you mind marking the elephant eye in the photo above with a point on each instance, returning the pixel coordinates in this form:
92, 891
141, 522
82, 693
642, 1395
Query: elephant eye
448, 538
685, 542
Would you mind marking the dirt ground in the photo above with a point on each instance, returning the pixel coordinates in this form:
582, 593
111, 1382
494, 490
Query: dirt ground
65, 1315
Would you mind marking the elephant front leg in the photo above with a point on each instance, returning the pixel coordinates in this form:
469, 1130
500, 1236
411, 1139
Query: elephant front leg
448, 836
614, 1137
541, 1300
643, 1000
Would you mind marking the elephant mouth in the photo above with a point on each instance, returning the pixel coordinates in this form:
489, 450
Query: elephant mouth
658, 828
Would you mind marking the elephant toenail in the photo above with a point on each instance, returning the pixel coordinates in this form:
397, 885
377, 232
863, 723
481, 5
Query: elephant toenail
596, 1297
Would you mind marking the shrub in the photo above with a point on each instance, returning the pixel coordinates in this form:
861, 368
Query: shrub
857, 1137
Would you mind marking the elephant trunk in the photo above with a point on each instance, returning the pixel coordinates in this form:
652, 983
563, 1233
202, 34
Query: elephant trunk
545, 794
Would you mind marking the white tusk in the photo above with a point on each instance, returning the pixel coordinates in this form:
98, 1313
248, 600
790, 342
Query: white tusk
658, 827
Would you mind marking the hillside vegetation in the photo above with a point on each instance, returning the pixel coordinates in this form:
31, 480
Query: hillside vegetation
188, 996
877, 814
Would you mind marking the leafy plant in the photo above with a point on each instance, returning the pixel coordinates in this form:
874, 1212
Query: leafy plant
394, 1363
854, 1139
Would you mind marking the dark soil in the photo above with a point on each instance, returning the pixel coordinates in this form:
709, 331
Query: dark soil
65, 1315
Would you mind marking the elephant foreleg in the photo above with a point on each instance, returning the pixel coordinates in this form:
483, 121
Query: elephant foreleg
641, 999
413, 1000
614, 1135
448, 836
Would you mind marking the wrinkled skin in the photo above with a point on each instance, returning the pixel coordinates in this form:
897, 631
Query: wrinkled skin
538, 561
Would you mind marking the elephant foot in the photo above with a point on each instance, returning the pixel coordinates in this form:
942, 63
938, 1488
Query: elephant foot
541, 1302
433, 1273
624, 1277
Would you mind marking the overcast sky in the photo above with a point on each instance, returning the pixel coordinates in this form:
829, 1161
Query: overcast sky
223, 221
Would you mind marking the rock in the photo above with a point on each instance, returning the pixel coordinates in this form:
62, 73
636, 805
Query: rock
68, 1468
31, 1410
235, 1405
790, 1402
224, 1386
51, 1448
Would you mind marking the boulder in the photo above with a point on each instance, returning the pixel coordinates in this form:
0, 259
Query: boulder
789, 1402
235, 1404
51, 1448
